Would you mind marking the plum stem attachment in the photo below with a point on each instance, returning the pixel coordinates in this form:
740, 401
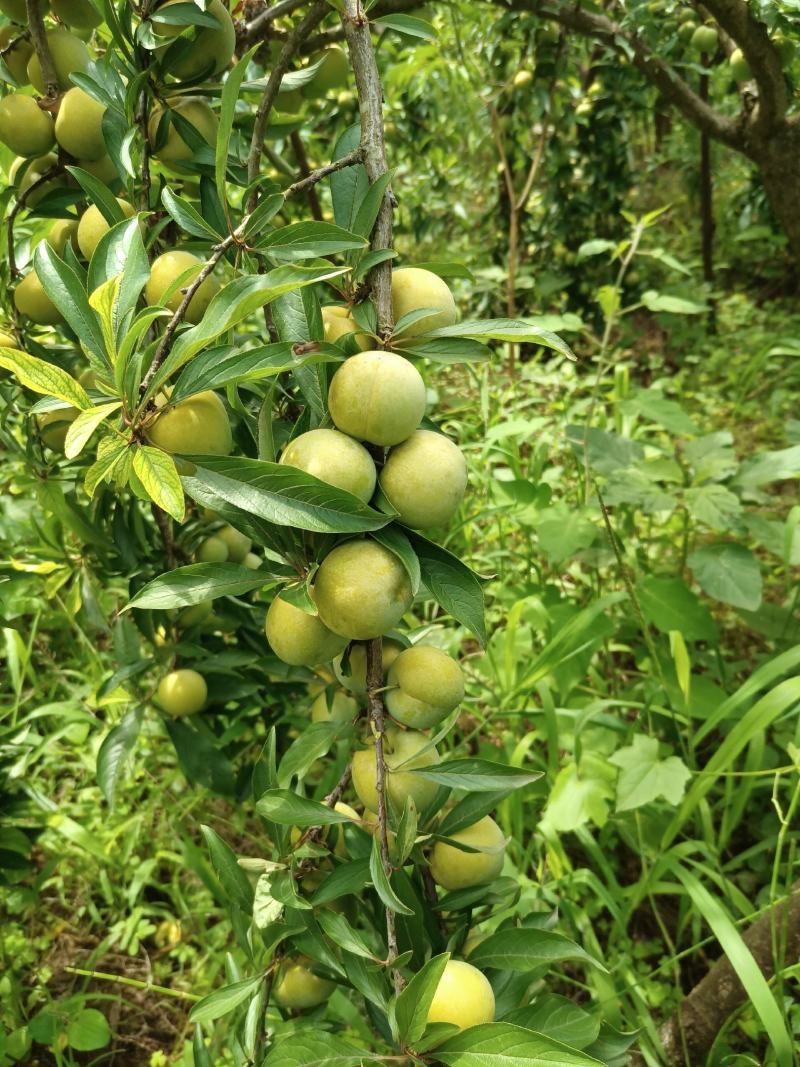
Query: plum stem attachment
42, 48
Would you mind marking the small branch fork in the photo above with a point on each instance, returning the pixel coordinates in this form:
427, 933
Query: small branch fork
261, 23
41, 48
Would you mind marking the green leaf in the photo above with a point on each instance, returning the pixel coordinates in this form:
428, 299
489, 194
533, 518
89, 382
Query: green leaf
579, 796
227, 112
234, 880
477, 775
564, 530
470, 809
380, 879
342, 934
158, 474
224, 1001
310, 1048
201, 761
120, 252
187, 216
409, 25
116, 747
558, 1017
110, 452
266, 909
447, 350
314, 742
44, 377
309, 240
413, 1003
506, 1045
768, 467
728, 572
515, 330
714, 505
99, 194
84, 426
673, 305
220, 367
523, 948
669, 605
88, 1031
653, 405
350, 185
289, 809
451, 583
644, 777
343, 881
393, 538
195, 583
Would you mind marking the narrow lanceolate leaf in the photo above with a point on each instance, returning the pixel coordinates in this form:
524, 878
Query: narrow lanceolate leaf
524, 948
281, 494
190, 585
234, 880
452, 584
310, 1047
514, 330
116, 747
223, 1001
43, 377
230, 94
309, 240
158, 474
413, 1004
187, 216
478, 775
506, 1045
380, 879
104, 301
65, 289
288, 809
84, 426
121, 251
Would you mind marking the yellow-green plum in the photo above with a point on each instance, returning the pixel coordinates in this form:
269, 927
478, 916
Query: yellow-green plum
70, 56
300, 639
54, 425
175, 151
425, 478
463, 997
61, 232
252, 561
93, 226
77, 13
31, 300
520, 80
199, 425
182, 692
24, 127
362, 590
354, 679
8, 340
238, 544
297, 988
686, 30
705, 39
377, 397
337, 708
196, 614
453, 869
212, 550
32, 170
79, 128
413, 289
335, 458
104, 168
332, 73
289, 101
18, 57
403, 752
204, 49
427, 684
163, 273
740, 68
337, 322
17, 10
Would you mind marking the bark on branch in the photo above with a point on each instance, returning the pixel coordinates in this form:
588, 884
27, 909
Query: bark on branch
41, 47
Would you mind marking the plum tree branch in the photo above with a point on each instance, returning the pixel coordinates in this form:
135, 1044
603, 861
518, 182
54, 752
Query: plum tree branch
22, 200
41, 47
254, 29
310, 179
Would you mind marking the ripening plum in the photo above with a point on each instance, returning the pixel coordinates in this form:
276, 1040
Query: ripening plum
300, 639
54, 426
427, 685
79, 125
18, 57
740, 68
238, 544
453, 869
377, 397
425, 478
163, 273
70, 56
31, 300
175, 151
297, 988
92, 226
413, 289
337, 322
61, 232
335, 458
105, 169
199, 426
463, 997
212, 550
182, 692
24, 127
32, 170
332, 73
355, 678
252, 561
362, 590
203, 49
78, 13
338, 708
403, 751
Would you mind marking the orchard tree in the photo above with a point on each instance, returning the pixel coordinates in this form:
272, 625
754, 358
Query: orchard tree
234, 403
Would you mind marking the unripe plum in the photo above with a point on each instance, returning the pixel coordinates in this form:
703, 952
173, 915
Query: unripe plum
31, 300
79, 128
17, 10
93, 226
212, 550
238, 544
196, 614
208, 51
332, 73
335, 458
338, 708
104, 168
61, 231
425, 478
740, 68
163, 273
78, 13
252, 561
297, 988
463, 997
18, 58
175, 151
199, 426
414, 288
453, 869
54, 425
705, 39
300, 639
362, 590
34, 170
70, 56
784, 45
430, 684
403, 751
24, 127
355, 679
182, 692
338, 322
377, 397
686, 30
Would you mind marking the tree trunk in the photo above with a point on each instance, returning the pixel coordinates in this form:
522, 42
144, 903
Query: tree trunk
778, 159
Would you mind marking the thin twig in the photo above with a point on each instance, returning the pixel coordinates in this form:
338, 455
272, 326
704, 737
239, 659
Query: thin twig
299, 150
260, 23
22, 200
134, 983
311, 178
42, 48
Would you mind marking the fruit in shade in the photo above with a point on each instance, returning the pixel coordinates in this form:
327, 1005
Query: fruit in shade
332, 73
425, 478
196, 614
238, 544
17, 10
54, 426
31, 300
785, 47
212, 550
463, 997
199, 425
403, 751
414, 288
377, 397
740, 68
337, 708
252, 561
93, 226
337, 322
77, 13
24, 127
182, 692
453, 869
18, 58
32, 170
362, 590
355, 678
61, 231
175, 151
8, 340
686, 30
522, 78
297, 988
70, 56
300, 639
103, 168
203, 50
164, 272
79, 125
290, 101
705, 39
427, 685
335, 458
